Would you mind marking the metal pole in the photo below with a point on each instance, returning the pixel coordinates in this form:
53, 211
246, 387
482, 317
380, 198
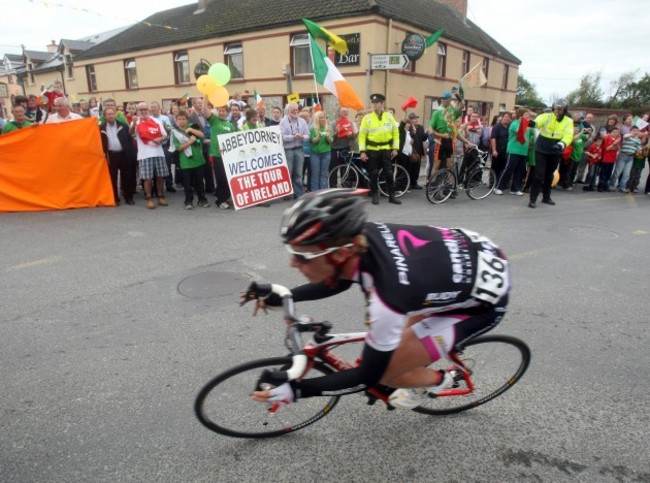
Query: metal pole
368, 73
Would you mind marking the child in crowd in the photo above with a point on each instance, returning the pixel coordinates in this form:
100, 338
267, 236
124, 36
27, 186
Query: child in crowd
611, 145
637, 166
595, 154
578, 144
630, 144
187, 141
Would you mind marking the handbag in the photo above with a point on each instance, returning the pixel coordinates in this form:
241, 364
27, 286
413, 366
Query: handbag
414, 158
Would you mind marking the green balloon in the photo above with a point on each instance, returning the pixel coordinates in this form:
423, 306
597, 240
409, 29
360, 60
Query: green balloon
220, 73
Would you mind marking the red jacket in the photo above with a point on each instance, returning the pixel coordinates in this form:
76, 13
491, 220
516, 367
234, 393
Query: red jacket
610, 151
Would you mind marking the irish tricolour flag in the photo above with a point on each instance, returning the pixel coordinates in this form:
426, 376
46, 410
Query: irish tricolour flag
329, 77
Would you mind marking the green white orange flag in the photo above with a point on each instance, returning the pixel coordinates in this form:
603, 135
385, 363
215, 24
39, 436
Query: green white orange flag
433, 38
328, 76
332, 39
258, 99
474, 78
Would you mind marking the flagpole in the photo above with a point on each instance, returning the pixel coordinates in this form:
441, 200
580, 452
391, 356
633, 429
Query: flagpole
313, 67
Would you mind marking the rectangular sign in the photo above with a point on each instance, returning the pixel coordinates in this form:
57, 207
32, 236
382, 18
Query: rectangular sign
352, 57
256, 166
388, 61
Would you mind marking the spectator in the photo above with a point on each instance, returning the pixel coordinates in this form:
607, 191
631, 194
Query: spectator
120, 152
150, 136
414, 161
84, 108
198, 120
626, 125
19, 121
235, 117
441, 128
305, 114
354, 145
591, 133
499, 144
236, 101
344, 133
276, 116
595, 154
568, 170
261, 115
321, 138
611, 145
62, 112
218, 125
610, 124
252, 121
517, 155
166, 127
33, 112
187, 141
295, 132
629, 146
637, 166
50, 94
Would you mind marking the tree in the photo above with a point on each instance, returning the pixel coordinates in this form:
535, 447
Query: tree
527, 95
626, 91
589, 93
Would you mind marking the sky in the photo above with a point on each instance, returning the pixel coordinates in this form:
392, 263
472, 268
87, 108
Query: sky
558, 41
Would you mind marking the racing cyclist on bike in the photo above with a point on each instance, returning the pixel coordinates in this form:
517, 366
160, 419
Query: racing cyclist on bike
428, 291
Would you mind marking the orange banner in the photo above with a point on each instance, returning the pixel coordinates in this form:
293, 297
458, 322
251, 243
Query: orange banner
54, 167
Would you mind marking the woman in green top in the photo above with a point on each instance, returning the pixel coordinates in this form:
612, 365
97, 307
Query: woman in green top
517, 149
321, 139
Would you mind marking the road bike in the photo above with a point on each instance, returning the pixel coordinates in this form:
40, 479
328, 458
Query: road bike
478, 183
348, 175
485, 368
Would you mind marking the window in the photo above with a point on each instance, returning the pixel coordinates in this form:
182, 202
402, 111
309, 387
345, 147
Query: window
182, 67
486, 66
68, 66
504, 83
130, 74
465, 65
441, 67
234, 58
300, 55
30, 72
90, 77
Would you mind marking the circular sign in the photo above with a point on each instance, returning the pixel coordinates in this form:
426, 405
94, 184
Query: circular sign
413, 46
201, 68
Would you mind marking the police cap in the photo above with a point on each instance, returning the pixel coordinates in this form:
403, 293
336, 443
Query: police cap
377, 98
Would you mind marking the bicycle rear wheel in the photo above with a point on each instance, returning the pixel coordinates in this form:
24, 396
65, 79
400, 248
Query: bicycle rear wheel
224, 404
343, 176
440, 186
497, 362
480, 183
401, 181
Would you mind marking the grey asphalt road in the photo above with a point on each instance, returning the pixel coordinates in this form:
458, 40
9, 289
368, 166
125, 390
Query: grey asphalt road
112, 319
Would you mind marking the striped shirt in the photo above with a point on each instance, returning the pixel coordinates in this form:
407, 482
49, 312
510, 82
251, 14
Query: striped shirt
630, 145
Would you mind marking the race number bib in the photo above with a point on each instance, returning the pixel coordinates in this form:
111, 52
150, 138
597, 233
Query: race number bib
492, 277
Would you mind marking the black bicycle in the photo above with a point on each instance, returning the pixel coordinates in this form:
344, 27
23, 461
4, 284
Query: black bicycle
349, 174
478, 183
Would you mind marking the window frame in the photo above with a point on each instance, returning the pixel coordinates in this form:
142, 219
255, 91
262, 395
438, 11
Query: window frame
296, 41
441, 60
465, 62
506, 73
131, 81
181, 67
232, 50
91, 78
30, 74
67, 60
486, 67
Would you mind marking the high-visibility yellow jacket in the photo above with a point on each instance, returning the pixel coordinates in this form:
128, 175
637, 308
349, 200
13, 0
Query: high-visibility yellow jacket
552, 131
377, 133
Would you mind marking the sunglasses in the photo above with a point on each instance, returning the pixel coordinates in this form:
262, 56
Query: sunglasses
305, 257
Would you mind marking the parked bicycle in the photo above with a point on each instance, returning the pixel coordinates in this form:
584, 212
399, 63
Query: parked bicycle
478, 181
349, 174
488, 366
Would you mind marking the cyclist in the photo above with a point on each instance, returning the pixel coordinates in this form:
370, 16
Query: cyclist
428, 290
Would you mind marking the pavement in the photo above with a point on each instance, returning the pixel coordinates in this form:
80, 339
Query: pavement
112, 320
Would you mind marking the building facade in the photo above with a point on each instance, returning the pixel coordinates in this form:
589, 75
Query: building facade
267, 48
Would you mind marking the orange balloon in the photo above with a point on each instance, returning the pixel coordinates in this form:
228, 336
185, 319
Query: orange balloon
556, 178
219, 96
206, 84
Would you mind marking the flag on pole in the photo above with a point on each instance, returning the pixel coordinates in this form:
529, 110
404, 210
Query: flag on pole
474, 78
258, 99
327, 75
433, 38
318, 32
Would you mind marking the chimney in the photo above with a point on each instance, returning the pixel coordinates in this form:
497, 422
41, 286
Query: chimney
52, 47
459, 6
200, 7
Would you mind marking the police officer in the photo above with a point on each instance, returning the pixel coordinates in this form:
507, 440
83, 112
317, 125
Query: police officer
379, 144
555, 134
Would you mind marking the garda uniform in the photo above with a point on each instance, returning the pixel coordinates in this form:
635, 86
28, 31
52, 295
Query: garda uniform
378, 136
555, 133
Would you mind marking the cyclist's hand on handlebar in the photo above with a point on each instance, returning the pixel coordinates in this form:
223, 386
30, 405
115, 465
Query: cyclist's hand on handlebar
283, 394
265, 296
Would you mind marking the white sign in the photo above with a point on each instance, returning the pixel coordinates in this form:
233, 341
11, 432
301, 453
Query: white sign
388, 61
256, 166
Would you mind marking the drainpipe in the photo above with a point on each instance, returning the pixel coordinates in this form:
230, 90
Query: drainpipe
388, 38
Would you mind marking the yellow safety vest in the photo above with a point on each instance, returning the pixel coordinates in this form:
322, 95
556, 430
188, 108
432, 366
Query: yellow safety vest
550, 128
377, 133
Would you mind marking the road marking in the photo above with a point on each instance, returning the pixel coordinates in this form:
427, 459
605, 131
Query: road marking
34, 263
532, 253
641, 232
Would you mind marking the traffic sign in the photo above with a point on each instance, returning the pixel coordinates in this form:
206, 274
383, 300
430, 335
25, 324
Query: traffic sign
388, 61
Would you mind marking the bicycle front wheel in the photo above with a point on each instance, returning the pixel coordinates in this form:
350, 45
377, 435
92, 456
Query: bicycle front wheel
497, 362
401, 181
480, 183
224, 404
343, 176
441, 186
